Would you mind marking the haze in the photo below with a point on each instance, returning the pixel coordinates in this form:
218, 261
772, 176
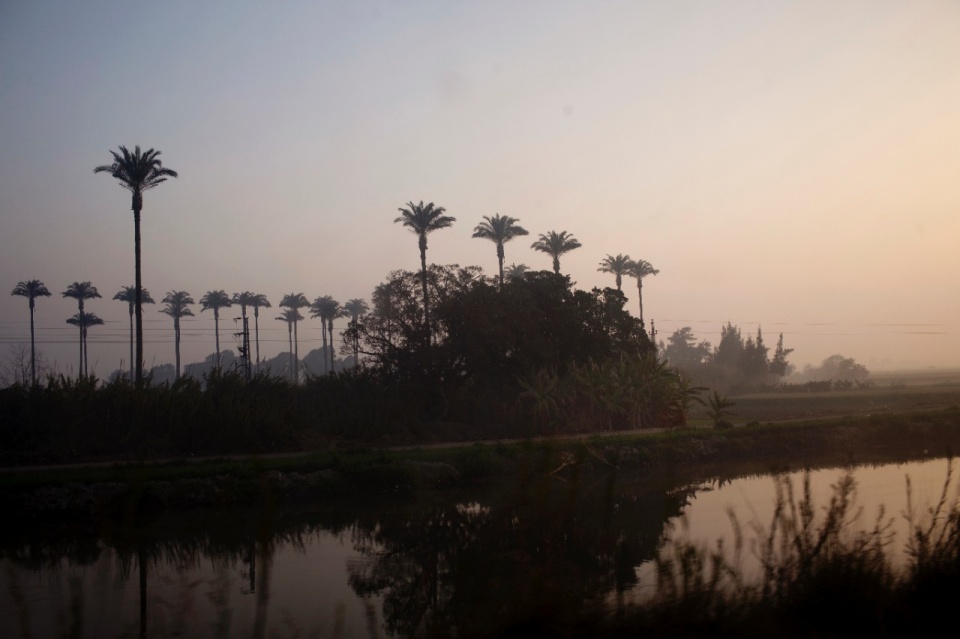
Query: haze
794, 165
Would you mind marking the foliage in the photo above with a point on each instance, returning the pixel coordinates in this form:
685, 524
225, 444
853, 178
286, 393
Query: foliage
718, 410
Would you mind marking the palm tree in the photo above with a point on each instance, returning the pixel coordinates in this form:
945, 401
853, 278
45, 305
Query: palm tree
177, 306
516, 271
215, 300
616, 265
128, 294
295, 301
356, 307
499, 229
422, 220
555, 244
291, 316
324, 307
81, 291
137, 172
83, 321
640, 269
32, 289
259, 301
243, 300
338, 311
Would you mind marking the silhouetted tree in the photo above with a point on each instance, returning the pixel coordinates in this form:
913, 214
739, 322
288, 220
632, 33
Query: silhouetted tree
640, 269
295, 301
516, 271
730, 349
684, 353
137, 172
83, 321
499, 229
422, 220
259, 301
617, 265
555, 244
355, 308
324, 307
215, 300
128, 294
31, 289
81, 291
291, 316
779, 365
177, 306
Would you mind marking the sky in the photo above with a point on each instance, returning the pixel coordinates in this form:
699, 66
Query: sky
788, 165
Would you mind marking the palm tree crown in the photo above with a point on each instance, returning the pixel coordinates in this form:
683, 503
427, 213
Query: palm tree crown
81, 291
555, 244
327, 309
83, 321
295, 301
422, 220
215, 300
640, 269
616, 265
516, 271
499, 229
31, 289
258, 301
355, 308
137, 172
291, 316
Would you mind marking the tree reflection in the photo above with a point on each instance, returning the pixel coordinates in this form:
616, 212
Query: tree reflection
541, 551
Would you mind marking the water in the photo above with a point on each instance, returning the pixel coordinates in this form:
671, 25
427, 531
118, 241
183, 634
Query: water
455, 562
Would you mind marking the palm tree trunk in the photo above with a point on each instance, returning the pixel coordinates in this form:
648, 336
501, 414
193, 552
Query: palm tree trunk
256, 330
216, 332
33, 348
323, 333
640, 297
556, 265
330, 330
86, 358
500, 261
80, 370
176, 342
138, 298
130, 363
290, 340
426, 298
296, 354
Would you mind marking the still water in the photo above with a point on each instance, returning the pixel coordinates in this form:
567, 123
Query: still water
464, 562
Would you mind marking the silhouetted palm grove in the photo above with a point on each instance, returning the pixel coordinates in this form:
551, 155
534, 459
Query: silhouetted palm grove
522, 350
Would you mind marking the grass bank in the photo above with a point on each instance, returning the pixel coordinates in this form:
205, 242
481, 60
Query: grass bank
699, 451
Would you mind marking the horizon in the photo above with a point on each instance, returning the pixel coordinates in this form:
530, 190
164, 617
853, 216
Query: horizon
789, 165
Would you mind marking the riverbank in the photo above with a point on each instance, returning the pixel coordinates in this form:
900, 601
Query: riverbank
217, 482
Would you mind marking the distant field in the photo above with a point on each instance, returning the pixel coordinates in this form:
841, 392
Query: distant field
892, 392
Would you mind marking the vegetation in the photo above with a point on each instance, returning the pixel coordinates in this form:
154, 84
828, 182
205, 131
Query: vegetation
137, 172
499, 229
215, 300
81, 291
128, 294
555, 244
31, 289
640, 269
177, 306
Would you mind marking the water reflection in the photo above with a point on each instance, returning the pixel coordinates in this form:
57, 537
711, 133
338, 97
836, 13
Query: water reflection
455, 563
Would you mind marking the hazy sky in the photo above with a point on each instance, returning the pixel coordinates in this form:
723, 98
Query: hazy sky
794, 165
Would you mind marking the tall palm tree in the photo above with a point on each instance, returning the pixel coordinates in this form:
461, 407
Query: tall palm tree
291, 316
516, 271
177, 306
81, 291
616, 265
295, 301
243, 300
83, 321
338, 312
259, 301
137, 172
356, 307
128, 294
640, 269
423, 220
324, 307
499, 229
555, 244
215, 300
31, 289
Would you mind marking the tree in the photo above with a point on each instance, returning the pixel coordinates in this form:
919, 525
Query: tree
137, 172
81, 291
128, 294
684, 353
31, 289
617, 265
516, 271
325, 307
499, 229
177, 306
355, 308
422, 220
259, 301
83, 321
555, 244
295, 301
291, 316
730, 349
640, 269
779, 365
215, 300
753, 365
